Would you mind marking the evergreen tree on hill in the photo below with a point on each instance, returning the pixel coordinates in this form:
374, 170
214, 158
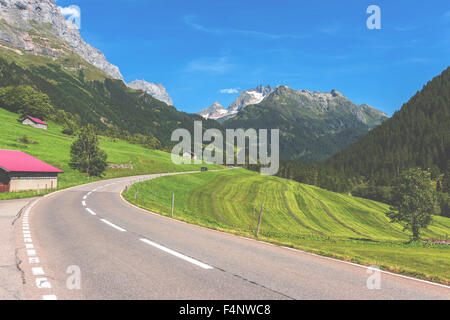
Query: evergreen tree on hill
86, 155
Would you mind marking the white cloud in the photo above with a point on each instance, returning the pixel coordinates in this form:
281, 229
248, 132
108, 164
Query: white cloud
72, 11
230, 91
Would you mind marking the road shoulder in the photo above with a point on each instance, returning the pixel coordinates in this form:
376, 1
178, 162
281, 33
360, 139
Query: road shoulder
11, 283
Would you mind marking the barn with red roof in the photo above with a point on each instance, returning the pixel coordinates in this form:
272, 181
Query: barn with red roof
21, 172
35, 122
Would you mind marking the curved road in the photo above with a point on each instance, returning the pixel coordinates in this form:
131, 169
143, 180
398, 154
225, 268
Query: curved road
89, 237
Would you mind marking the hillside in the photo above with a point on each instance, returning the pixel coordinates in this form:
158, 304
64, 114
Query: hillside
41, 48
297, 215
313, 125
54, 148
77, 87
416, 136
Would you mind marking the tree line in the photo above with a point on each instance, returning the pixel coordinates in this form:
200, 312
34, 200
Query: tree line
417, 136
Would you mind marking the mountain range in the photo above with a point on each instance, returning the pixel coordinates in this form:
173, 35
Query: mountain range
41, 48
313, 125
37, 27
418, 135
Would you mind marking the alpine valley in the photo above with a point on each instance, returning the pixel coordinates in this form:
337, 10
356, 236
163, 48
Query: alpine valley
313, 125
41, 49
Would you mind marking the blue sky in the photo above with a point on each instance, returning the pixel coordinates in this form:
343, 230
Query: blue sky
199, 48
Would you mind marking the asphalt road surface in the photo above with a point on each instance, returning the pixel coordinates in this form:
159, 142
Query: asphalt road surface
87, 243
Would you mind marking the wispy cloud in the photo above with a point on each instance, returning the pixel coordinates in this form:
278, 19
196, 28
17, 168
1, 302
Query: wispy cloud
210, 65
229, 91
190, 21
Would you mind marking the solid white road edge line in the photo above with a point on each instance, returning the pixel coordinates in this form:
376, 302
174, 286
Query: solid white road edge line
113, 225
178, 255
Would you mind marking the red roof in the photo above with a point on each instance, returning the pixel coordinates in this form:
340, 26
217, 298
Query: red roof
18, 161
36, 120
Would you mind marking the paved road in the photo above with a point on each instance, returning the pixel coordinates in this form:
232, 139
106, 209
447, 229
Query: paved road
125, 253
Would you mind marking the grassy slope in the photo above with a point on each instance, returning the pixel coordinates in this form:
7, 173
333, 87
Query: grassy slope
94, 101
301, 216
54, 147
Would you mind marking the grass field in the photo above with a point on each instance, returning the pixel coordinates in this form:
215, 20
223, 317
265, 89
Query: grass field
53, 147
300, 216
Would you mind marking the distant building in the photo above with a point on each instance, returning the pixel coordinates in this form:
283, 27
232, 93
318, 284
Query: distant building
35, 122
22, 172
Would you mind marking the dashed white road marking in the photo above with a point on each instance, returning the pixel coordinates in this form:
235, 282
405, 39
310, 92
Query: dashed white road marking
33, 260
83, 203
85, 197
91, 212
178, 255
42, 283
113, 225
38, 271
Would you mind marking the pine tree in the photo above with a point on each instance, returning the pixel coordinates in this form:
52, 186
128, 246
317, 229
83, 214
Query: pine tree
86, 155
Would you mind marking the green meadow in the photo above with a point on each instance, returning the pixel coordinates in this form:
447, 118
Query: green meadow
299, 216
53, 147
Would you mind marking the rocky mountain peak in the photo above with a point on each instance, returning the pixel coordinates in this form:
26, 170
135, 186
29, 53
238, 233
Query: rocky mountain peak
246, 98
38, 27
263, 90
215, 111
216, 105
157, 91
336, 93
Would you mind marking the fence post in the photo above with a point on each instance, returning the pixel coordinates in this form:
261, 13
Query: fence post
137, 195
173, 202
38, 190
260, 218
